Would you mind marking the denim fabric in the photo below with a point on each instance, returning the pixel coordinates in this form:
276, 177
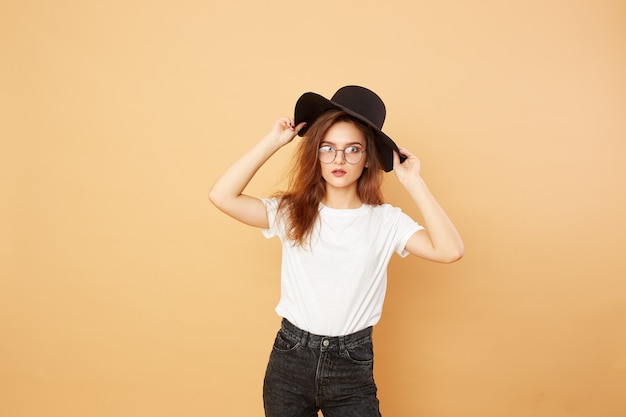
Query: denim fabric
307, 373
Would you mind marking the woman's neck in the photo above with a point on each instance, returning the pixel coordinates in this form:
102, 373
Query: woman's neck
341, 199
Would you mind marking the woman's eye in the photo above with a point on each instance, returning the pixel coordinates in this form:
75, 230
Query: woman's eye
326, 149
352, 149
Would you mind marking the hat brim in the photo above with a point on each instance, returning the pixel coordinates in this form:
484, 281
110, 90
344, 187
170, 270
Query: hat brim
310, 106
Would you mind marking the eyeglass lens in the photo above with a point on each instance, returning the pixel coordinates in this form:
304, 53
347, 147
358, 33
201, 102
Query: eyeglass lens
352, 154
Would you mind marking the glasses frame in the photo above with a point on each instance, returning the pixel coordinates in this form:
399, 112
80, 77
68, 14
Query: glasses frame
362, 151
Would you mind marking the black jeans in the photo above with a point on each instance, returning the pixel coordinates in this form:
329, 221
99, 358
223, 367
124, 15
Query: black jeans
307, 373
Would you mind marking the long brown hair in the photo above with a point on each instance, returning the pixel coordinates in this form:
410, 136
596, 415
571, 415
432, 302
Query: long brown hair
307, 187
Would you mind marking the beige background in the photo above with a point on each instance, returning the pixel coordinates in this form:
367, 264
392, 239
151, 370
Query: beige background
123, 292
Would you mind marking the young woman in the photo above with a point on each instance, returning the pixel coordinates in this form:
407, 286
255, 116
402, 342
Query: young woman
337, 237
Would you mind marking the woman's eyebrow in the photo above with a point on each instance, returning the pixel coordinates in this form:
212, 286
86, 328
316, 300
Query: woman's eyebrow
327, 142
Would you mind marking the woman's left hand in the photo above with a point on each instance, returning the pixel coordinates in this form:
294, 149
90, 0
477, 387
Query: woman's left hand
410, 168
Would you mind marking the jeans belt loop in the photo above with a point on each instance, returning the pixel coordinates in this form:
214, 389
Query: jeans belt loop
303, 338
342, 344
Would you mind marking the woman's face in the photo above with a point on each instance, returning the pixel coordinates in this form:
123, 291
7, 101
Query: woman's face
347, 144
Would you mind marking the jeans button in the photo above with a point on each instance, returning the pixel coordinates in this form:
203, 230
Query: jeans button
325, 343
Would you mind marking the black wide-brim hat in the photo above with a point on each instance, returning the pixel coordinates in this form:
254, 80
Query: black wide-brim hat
358, 102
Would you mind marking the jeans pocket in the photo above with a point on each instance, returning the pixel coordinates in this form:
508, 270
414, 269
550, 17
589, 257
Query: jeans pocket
361, 354
284, 344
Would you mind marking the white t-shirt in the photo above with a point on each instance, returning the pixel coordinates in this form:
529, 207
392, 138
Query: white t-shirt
336, 285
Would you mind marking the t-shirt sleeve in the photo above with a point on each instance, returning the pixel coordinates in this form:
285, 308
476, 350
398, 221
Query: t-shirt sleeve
406, 228
271, 205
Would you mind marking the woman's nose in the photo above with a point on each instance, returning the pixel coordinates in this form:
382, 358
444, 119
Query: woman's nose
343, 156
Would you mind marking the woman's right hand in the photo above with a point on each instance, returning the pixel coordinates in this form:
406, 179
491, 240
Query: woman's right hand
284, 130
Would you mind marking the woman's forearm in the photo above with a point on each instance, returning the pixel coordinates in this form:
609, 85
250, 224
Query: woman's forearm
227, 192
445, 239
233, 181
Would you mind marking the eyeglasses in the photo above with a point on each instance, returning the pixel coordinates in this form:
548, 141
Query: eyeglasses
352, 154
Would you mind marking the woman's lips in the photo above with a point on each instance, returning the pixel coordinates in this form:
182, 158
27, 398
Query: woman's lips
339, 172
